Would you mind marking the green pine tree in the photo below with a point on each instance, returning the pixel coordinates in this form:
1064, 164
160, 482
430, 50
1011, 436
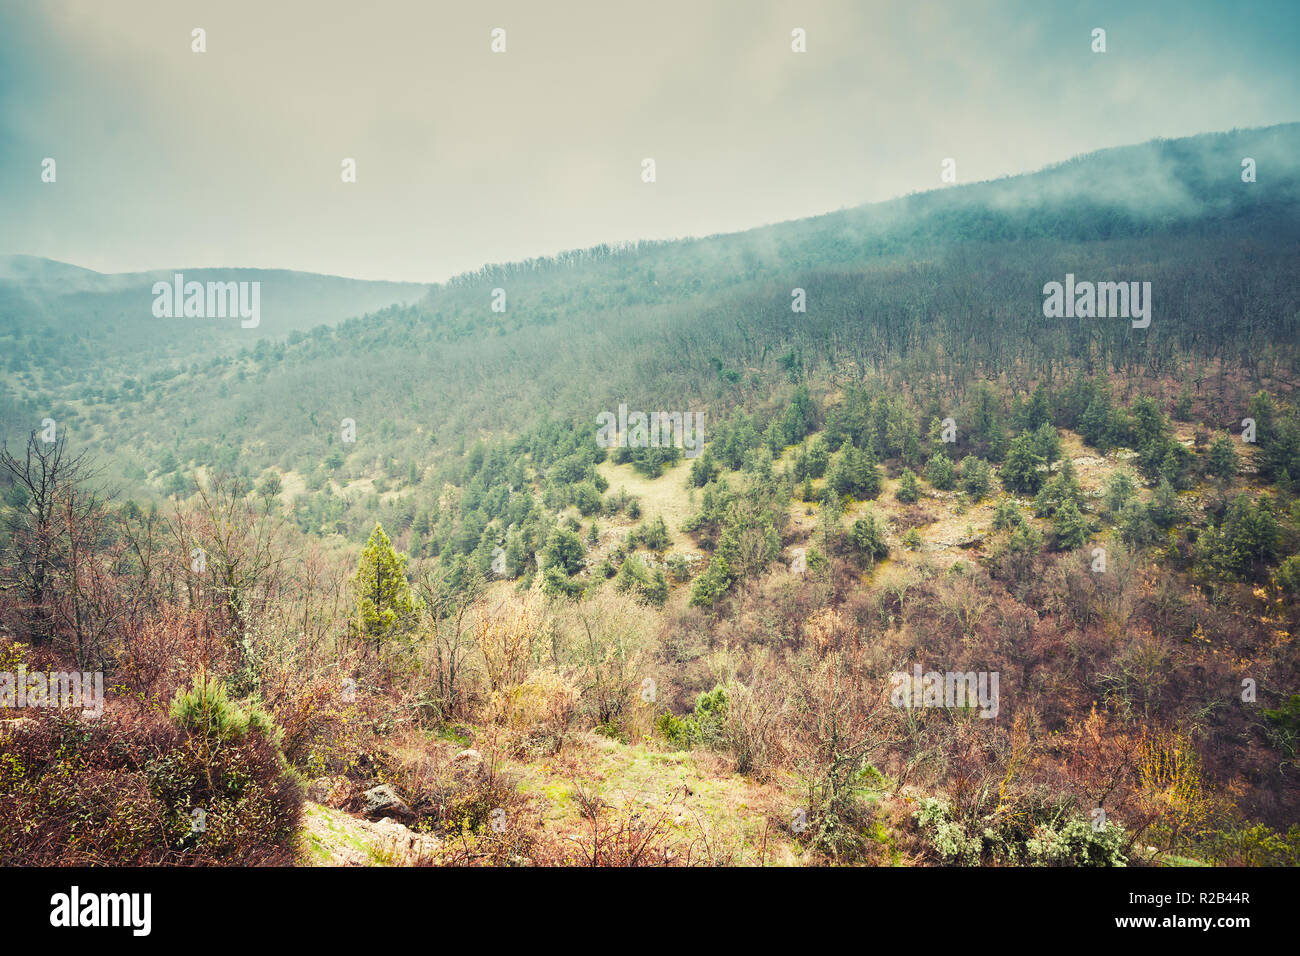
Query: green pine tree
1118, 491
1164, 509
1069, 526
1006, 516
385, 606
909, 487
855, 473
1020, 472
1223, 458
712, 584
940, 473
976, 478
868, 536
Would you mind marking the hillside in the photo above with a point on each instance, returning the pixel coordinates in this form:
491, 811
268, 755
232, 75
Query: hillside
389, 577
78, 322
938, 287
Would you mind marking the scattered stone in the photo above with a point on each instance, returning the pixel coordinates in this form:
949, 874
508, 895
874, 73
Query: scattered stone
404, 845
383, 801
342, 840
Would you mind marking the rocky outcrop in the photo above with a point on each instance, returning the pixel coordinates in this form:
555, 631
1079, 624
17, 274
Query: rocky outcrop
333, 838
383, 801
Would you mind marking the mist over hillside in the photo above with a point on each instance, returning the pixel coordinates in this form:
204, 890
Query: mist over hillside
946, 282
77, 318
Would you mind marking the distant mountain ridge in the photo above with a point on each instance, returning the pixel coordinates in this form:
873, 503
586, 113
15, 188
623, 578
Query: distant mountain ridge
41, 271
36, 269
92, 315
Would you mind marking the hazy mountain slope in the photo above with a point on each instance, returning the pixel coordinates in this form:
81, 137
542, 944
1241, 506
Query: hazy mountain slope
61, 314
940, 284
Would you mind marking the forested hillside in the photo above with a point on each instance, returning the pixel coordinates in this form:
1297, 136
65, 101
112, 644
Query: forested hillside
938, 289
63, 326
557, 650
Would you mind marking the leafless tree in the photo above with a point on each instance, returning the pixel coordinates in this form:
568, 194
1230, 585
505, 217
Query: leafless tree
451, 643
230, 550
47, 478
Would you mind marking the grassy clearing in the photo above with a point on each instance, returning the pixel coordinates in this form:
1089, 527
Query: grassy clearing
738, 814
668, 495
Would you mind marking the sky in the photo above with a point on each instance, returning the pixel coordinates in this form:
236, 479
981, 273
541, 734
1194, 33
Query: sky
167, 158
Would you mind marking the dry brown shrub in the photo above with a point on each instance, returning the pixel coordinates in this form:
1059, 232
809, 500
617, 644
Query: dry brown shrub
160, 653
539, 711
505, 634
826, 630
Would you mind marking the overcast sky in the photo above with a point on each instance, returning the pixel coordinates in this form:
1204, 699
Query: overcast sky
170, 159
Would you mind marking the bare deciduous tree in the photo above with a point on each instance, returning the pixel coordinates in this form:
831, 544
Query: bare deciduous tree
46, 480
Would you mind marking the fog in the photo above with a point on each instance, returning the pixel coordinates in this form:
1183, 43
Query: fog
167, 158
